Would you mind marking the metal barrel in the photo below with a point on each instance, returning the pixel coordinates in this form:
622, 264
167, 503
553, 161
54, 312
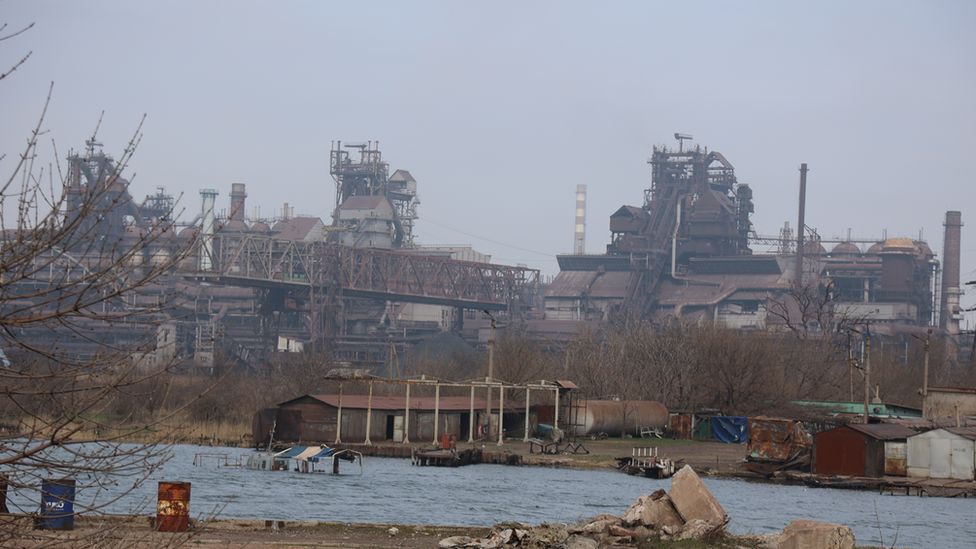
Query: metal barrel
57, 504
173, 507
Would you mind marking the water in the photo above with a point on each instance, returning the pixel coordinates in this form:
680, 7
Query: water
393, 491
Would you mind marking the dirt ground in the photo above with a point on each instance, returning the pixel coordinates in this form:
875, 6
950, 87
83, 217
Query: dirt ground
135, 532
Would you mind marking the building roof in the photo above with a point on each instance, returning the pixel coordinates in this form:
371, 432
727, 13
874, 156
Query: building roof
296, 228
964, 432
402, 175
883, 431
596, 284
361, 402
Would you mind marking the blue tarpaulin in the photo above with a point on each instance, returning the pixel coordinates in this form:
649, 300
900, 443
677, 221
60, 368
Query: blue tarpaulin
730, 429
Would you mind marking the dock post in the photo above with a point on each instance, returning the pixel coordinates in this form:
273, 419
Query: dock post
471, 418
437, 409
526, 437
406, 419
501, 412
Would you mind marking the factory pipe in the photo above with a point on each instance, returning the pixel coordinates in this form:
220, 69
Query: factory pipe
674, 239
209, 197
951, 289
579, 247
801, 226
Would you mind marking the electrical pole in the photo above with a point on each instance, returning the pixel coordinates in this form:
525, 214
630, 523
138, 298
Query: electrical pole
867, 370
491, 375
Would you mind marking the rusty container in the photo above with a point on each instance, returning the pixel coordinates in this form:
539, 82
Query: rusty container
173, 507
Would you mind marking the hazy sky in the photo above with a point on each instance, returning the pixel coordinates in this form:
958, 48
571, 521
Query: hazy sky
500, 109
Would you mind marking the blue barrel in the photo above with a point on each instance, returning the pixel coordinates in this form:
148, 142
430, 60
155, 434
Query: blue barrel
57, 504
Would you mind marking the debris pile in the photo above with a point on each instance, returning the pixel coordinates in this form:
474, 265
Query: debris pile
687, 511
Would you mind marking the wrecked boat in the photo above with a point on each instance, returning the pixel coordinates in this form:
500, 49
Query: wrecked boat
303, 459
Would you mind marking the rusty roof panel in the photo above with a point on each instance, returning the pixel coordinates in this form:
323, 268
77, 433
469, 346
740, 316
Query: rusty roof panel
570, 283
883, 431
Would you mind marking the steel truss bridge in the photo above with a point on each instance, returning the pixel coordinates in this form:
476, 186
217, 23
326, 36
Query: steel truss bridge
394, 275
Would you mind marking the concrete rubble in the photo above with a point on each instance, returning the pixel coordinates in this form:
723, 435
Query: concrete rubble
811, 534
689, 511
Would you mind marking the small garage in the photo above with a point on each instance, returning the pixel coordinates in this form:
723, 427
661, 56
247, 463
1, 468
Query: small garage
943, 453
860, 450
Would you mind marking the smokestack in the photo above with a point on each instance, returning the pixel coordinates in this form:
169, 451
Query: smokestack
579, 246
951, 290
209, 197
237, 202
801, 226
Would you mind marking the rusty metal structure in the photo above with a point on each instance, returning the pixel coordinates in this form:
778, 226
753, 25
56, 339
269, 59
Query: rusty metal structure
261, 261
690, 251
369, 176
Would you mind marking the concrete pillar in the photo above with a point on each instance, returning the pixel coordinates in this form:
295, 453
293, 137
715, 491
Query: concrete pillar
471, 418
555, 421
406, 419
501, 413
369, 413
339, 418
437, 409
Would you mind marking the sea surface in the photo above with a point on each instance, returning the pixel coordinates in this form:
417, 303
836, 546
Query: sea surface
394, 491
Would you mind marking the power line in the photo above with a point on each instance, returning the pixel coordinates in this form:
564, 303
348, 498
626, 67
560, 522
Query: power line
428, 220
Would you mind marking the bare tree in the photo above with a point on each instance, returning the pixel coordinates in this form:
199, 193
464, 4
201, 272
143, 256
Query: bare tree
816, 349
80, 311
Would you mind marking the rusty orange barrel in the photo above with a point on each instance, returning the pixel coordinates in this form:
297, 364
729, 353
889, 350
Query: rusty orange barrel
445, 441
173, 507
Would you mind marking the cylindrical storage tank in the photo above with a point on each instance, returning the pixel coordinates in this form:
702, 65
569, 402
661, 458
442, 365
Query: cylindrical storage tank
173, 507
57, 504
159, 257
615, 417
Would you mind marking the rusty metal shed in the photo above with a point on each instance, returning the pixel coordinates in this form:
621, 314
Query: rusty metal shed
859, 450
313, 418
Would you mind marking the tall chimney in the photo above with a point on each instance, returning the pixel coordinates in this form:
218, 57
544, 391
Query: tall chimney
801, 226
237, 198
579, 245
207, 229
951, 290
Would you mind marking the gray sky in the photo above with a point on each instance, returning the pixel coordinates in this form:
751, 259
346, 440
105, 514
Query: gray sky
500, 110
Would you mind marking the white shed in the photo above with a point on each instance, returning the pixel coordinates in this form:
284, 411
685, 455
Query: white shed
943, 453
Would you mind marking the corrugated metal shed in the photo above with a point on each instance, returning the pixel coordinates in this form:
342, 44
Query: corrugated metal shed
943, 453
856, 449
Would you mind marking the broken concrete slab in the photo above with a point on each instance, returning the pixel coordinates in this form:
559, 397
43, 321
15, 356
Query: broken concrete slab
695, 529
693, 501
458, 541
811, 534
658, 513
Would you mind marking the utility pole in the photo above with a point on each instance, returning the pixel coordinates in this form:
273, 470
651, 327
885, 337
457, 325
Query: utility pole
491, 374
850, 365
867, 370
925, 368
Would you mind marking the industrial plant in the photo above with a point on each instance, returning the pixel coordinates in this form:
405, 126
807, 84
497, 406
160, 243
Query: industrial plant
360, 288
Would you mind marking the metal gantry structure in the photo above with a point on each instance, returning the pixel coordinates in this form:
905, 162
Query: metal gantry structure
261, 261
